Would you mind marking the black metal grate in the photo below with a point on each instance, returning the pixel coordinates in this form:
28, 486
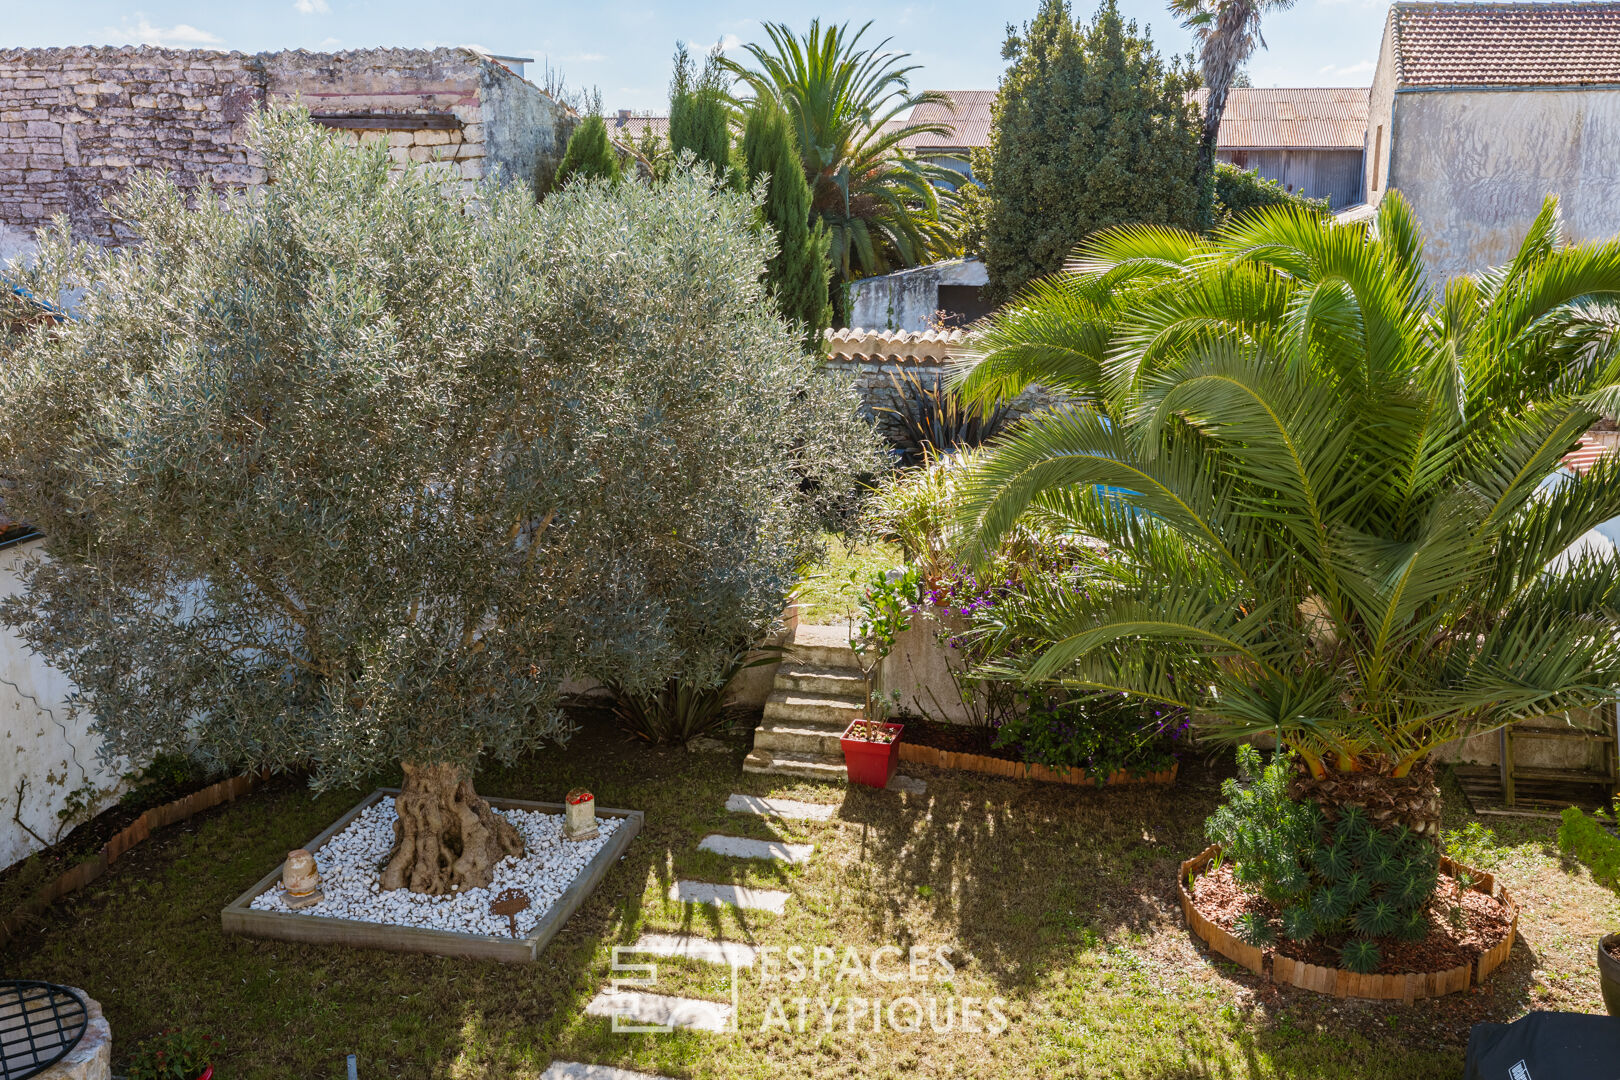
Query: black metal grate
39, 1024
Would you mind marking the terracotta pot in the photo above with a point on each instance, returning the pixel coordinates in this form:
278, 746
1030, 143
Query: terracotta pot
871, 763
1609, 974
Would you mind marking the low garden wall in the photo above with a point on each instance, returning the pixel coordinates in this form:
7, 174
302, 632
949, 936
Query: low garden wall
875, 358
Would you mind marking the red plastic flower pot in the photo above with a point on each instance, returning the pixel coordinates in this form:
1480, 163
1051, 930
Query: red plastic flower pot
871, 763
206, 1074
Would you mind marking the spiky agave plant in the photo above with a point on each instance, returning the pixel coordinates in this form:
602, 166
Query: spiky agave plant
1326, 485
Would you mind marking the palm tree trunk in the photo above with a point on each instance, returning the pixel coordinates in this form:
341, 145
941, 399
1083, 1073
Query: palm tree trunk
1412, 800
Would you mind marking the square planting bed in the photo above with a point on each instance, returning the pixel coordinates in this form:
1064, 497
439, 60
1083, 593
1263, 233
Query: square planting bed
557, 874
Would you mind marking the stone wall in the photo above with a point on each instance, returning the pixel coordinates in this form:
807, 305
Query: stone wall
76, 122
875, 359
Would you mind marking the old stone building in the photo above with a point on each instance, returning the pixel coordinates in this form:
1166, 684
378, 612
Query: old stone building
75, 122
1479, 111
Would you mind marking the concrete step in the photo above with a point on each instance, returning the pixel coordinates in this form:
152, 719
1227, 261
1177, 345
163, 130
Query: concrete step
787, 763
809, 679
823, 646
823, 710
799, 738
787, 809
644, 1011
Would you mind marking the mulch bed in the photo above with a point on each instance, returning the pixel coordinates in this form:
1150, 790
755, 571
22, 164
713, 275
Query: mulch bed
954, 738
19, 880
1485, 923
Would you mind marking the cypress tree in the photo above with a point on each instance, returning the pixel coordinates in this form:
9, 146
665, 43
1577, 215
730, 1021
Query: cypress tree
589, 154
697, 112
797, 273
1090, 129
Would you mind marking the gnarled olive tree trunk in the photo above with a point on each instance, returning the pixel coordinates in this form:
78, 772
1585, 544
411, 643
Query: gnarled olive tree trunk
446, 838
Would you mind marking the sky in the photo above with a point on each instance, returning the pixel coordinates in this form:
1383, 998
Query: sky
624, 48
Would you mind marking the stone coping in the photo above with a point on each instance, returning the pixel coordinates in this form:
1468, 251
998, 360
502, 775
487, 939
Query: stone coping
239, 918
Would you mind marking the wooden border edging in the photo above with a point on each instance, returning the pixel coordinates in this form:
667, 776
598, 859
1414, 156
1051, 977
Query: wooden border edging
1018, 770
238, 917
76, 878
1340, 982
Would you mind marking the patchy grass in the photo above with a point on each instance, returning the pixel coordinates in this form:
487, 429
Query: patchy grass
827, 595
1057, 900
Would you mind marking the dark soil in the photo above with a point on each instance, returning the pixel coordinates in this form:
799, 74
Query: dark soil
1613, 949
955, 738
1485, 922
22, 880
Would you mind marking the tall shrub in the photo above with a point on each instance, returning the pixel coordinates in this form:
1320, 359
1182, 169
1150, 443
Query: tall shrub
338, 474
797, 273
698, 116
1090, 129
589, 154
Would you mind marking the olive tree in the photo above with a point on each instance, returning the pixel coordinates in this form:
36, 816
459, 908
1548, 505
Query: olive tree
351, 470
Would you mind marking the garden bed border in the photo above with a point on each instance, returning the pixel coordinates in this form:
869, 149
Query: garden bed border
77, 877
994, 766
238, 917
1340, 982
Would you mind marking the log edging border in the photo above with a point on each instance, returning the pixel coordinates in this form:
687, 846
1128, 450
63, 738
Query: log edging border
1340, 982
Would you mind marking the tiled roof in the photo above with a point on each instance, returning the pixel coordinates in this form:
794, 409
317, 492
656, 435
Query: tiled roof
1522, 44
626, 128
1321, 118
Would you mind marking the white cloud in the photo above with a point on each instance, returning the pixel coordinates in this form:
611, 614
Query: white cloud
1366, 67
138, 30
585, 58
730, 42
312, 7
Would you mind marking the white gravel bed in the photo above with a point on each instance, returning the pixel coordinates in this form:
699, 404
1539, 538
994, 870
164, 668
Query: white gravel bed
351, 869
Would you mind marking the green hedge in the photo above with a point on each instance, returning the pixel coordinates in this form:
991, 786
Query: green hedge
1584, 837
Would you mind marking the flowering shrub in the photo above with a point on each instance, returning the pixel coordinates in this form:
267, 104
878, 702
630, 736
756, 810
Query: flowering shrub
173, 1055
977, 609
1101, 737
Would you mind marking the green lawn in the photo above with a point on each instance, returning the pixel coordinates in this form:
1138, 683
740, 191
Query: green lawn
1057, 900
827, 595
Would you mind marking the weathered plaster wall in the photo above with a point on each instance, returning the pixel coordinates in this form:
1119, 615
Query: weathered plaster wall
907, 299
1477, 164
45, 754
1380, 143
75, 123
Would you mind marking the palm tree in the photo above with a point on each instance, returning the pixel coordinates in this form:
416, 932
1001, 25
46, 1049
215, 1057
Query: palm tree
881, 206
1228, 32
1333, 497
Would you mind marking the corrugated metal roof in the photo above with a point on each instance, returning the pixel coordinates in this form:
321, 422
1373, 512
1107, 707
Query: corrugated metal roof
1518, 44
1306, 118
967, 114
1297, 118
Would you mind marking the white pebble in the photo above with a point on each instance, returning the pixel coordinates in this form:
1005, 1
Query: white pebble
351, 868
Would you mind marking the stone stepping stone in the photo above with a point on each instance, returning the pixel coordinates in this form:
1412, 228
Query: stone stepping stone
703, 892
659, 1010
739, 847
731, 953
576, 1070
911, 785
782, 808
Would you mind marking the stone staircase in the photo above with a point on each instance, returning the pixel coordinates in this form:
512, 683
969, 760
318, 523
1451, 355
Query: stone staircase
818, 691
